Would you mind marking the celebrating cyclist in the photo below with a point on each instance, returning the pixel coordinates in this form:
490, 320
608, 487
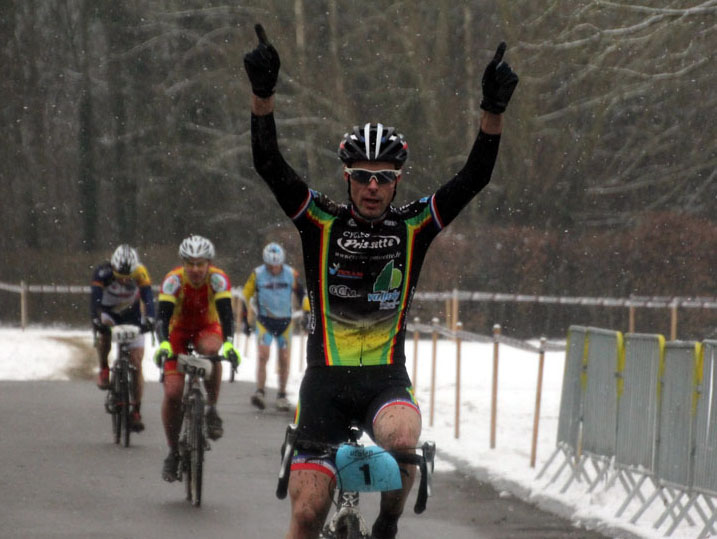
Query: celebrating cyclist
118, 287
194, 307
269, 289
362, 260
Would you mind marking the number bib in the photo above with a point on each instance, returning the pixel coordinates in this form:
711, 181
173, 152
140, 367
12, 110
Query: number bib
367, 469
125, 333
194, 365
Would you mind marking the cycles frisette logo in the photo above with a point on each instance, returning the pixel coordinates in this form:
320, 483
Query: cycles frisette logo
358, 244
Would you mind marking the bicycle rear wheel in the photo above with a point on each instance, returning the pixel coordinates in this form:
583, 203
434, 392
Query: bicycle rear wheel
195, 445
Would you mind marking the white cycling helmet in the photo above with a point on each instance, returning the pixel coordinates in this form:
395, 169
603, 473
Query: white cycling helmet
124, 260
273, 255
196, 247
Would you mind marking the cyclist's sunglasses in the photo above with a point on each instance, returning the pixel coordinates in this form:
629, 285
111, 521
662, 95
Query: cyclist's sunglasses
119, 275
363, 176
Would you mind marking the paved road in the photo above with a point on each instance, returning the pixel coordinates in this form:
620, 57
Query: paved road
61, 476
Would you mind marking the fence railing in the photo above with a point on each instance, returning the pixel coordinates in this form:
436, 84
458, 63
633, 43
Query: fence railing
452, 300
459, 335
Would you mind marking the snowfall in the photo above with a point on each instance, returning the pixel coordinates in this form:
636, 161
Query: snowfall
507, 466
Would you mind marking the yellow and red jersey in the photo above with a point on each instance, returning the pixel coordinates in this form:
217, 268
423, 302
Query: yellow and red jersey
194, 306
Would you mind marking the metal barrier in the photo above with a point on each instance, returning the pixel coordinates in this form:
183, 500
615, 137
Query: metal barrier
676, 440
704, 482
605, 359
649, 412
571, 402
637, 413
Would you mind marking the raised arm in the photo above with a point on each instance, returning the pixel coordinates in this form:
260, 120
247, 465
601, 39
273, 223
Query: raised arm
262, 66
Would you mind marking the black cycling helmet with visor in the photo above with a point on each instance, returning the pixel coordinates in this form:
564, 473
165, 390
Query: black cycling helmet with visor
373, 142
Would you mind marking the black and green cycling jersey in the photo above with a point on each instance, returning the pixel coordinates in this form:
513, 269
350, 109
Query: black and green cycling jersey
361, 276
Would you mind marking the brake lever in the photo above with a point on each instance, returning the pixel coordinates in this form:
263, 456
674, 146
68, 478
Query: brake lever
287, 451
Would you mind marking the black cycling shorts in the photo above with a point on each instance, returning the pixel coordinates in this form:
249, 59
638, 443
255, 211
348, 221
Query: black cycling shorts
331, 398
131, 316
275, 326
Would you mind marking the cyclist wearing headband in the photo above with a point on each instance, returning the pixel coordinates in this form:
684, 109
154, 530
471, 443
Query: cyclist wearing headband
362, 261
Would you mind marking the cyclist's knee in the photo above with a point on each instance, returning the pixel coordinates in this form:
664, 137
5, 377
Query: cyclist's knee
397, 427
209, 344
308, 515
310, 499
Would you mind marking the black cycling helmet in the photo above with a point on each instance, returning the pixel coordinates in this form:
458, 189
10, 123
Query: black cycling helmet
373, 142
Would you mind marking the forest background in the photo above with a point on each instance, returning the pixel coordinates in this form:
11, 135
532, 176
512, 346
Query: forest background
129, 122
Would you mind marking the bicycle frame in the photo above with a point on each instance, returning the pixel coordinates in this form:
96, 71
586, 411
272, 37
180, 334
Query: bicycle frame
347, 518
193, 440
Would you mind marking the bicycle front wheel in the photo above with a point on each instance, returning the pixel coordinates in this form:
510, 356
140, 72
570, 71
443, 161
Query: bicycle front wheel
124, 408
348, 527
195, 457
115, 392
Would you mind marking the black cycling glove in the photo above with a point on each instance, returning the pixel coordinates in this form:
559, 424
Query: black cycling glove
498, 83
262, 65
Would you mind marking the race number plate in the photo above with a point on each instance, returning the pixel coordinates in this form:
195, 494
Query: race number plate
125, 333
187, 364
367, 469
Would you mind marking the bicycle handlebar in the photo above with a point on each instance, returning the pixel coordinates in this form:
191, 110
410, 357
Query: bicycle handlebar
424, 461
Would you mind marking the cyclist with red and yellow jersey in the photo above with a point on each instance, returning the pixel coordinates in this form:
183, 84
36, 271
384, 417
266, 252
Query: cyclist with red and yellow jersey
194, 307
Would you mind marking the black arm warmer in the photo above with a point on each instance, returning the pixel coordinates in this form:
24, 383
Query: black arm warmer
95, 301
226, 316
148, 299
166, 308
290, 190
452, 197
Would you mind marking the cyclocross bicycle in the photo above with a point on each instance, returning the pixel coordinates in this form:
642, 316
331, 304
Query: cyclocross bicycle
193, 440
359, 469
123, 377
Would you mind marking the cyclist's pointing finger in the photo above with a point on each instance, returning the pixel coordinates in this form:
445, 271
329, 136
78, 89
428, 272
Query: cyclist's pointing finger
261, 34
500, 51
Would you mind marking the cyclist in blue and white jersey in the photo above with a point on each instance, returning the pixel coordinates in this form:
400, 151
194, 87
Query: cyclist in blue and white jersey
269, 291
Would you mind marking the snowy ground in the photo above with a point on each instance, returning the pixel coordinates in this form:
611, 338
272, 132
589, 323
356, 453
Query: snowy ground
49, 354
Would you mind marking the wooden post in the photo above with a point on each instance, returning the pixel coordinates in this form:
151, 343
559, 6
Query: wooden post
538, 395
673, 321
433, 371
459, 327
494, 390
23, 305
415, 354
631, 322
454, 310
448, 312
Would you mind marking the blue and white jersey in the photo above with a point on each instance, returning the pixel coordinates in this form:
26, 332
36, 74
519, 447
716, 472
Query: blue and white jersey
273, 292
